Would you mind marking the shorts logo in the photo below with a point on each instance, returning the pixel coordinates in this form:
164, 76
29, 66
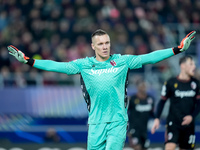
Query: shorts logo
113, 63
132, 131
135, 140
170, 135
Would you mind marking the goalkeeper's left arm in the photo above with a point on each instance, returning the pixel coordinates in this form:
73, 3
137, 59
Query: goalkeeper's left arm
160, 55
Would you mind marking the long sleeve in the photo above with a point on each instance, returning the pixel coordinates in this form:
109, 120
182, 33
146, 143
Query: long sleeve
159, 109
61, 67
136, 61
165, 92
156, 56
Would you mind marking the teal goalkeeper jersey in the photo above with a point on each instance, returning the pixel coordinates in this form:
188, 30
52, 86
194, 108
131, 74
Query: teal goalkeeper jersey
104, 83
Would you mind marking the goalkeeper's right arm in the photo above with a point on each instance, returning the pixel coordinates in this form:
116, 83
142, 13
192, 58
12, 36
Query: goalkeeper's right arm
47, 65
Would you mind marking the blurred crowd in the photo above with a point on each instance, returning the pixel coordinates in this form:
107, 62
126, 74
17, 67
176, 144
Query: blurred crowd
61, 30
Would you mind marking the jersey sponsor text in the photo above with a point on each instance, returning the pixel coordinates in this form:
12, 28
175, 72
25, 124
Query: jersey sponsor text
182, 94
143, 108
102, 71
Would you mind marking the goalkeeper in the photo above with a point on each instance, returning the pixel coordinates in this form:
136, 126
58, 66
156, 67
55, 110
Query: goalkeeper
104, 83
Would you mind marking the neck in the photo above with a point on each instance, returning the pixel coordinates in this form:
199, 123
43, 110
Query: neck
184, 76
141, 95
98, 58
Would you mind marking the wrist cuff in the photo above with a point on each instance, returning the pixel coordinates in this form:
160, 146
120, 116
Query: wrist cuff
176, 50
30, 62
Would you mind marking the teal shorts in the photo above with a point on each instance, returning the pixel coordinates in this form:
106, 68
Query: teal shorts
107, 136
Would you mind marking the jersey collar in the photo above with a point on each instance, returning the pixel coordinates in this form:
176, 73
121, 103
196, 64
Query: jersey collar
96, 61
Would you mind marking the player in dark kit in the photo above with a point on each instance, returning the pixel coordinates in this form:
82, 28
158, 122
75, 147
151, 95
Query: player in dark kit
184, 94
140, 109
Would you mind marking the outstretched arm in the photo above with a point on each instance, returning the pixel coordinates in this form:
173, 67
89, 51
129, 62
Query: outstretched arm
156, 56
47, 65
160, 55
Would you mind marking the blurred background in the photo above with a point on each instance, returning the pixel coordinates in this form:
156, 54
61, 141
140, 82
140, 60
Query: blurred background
41, 109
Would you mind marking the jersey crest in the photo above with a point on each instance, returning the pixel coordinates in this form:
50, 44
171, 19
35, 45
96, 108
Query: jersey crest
113, 63
149, 100
136, 101
175, 85
193, 85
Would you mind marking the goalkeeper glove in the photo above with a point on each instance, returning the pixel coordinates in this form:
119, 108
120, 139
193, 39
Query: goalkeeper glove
17, 54
185, 43
20, 56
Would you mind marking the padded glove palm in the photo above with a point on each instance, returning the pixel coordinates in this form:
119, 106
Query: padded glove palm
17, 54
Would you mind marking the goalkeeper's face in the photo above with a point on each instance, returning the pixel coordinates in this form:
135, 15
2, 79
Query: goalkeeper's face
101, 46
